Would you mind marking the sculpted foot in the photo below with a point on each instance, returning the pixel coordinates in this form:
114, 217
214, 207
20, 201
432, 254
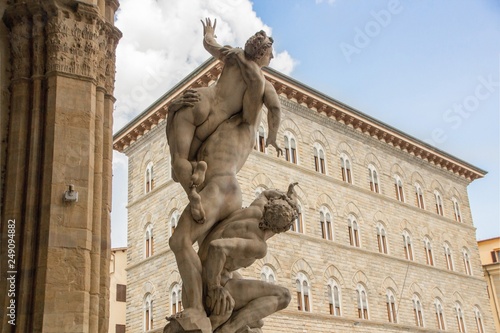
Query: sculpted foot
197, 210
198, 176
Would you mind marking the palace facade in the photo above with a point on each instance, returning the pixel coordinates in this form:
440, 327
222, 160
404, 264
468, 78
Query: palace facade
385, 241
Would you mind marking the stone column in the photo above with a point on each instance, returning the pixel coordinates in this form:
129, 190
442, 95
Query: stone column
59, 134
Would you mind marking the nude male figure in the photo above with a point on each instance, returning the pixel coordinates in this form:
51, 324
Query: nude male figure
189, 125
224, 151
236, 304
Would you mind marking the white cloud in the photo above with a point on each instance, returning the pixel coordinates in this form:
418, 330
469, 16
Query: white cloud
284, 63
162, 43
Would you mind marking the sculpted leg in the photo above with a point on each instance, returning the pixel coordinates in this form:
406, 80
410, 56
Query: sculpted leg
254, 300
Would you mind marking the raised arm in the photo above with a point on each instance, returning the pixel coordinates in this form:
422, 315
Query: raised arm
272, 102
209, 42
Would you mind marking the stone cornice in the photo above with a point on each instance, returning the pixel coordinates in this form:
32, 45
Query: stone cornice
313, 100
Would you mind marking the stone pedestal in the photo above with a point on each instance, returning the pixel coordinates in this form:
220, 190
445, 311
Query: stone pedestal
62, 65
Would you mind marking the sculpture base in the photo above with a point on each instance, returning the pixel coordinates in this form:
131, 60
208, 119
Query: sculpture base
188, 325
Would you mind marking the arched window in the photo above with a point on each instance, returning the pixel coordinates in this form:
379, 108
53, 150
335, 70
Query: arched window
439, 203
374, 181
261, 140
466, 257
391, 306
290, 148
345, 168
149, 182
303, 293
174, 220
479, 320
381, 238
460, 318
419, 194
439, 315
325, 221
176, 299
258, 191
319, 158
398, 185
353, 227
429, 259
456, 210
448, 256
267, 274
418, 311
407, 243
362, 299
334, 297
148, 241
298, 225
148, 312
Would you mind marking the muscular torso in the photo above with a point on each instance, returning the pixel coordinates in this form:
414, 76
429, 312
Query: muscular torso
241, 224
220, 101
227, 149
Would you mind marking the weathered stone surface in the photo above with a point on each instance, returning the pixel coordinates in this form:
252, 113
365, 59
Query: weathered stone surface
57, 132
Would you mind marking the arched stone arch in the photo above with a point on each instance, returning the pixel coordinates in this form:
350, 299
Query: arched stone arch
438, 293
371, 158
333, 272
148, 157
416, 177
318, 136
453, 192
343, 147
173, 278
389, 283
289, 125
302, 196
436, 185
379, 216
172, 205
262, 180
457, 297
146, 219
325, 200
396, 169
270, 261
148, 288
425, 231
415, 289
360, 277
352, 208
405, 225
302, 266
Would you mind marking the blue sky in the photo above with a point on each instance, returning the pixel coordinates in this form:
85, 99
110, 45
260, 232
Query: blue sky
428, 68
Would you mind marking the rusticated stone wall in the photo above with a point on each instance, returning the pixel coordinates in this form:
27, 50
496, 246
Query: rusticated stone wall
59, 132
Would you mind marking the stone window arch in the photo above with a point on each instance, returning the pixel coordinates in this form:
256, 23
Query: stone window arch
176, 299
408, 245
418, 311
362, 299
148, 312
346, 168
267, 274
479, 320
466, 259
381, 238
429, 257
303, 292
334, 297
390, 300
260, 145
456, 210
440, 321
460, 318
148, 241
439, 203
290, 148
326, 224
353, 228
398, 186
319, 158
149, 182
298, 224
419, 194
374, 178
448, 256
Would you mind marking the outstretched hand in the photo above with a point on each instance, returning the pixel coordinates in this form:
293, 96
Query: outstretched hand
219, 301
279, 151
208, 29
188, 99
